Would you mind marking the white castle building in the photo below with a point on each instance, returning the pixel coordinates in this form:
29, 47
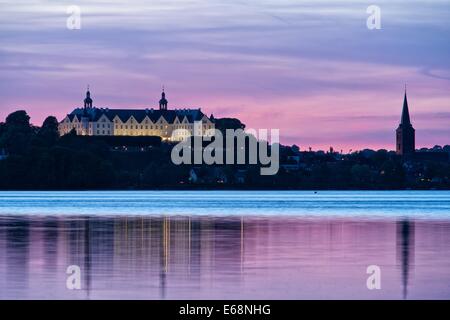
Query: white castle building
171, 125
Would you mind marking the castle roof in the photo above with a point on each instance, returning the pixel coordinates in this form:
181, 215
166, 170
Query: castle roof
94, 114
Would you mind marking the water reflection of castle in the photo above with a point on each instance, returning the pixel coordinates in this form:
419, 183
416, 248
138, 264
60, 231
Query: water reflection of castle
159, 245
159, 254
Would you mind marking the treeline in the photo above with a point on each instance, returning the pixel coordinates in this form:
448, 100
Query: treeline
382, 170
37, 158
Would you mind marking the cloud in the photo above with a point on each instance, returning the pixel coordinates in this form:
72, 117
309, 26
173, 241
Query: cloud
438, 74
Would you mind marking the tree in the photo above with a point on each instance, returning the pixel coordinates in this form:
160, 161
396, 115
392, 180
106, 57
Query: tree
2, 128
49, 130
380, 157
18, 118
361, 174
228, 123
17, 133
392, 174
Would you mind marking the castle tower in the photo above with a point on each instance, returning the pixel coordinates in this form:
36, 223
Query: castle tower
163, 102
88, 100
85, 118
405, 132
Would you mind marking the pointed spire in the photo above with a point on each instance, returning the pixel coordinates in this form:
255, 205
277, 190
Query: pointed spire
406, 121
405, 133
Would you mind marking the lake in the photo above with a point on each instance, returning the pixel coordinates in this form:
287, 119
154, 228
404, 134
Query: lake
225, 244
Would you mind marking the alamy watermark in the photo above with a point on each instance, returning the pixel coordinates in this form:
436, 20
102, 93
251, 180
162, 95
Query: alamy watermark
73, 281
374, 280
374, 20
73, 22
237, 147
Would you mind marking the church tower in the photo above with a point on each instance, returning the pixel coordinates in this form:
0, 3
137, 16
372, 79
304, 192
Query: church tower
405, 132
163, 102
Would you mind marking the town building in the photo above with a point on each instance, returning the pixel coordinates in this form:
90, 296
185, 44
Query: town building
169, 124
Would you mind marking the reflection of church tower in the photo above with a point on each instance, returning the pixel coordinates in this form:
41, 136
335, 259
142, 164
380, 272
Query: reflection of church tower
405, 250
163, 102
405, 132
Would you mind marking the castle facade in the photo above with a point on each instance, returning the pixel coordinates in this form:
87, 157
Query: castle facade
170, 125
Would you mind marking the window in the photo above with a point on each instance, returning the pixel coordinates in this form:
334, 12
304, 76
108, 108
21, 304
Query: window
98, 131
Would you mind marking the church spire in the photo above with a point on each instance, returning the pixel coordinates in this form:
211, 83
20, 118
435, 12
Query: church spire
405, 132
406, 121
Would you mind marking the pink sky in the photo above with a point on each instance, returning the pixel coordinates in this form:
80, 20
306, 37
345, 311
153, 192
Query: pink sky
311, 69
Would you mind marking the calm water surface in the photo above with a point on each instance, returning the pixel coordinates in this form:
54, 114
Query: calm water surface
225, 244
